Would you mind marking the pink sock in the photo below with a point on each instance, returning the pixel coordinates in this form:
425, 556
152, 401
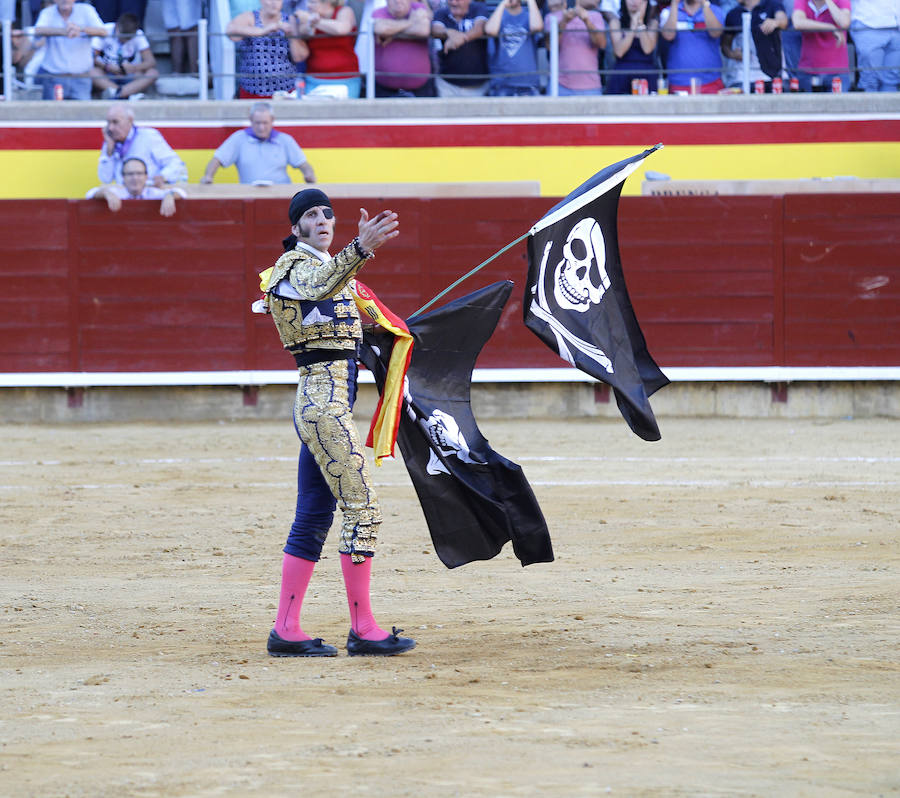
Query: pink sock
295, 575
356, 579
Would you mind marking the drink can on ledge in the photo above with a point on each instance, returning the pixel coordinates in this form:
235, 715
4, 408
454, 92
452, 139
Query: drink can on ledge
644, 87
662, 86
759, 87
695, 85
777, 86
795, 84
836, 86
57, 91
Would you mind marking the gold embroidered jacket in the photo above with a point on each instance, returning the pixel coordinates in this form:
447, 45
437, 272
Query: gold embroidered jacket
325, 317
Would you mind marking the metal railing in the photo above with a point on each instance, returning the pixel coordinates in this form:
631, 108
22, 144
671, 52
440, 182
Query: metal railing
224, 74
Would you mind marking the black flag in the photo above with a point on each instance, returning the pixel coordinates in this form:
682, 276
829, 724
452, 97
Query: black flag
474, 499
576, 301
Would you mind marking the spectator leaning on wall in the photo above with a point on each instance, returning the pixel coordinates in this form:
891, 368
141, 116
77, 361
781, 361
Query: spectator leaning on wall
134, 174
68, 58
823, 53
462, 58
402, 59
261, 153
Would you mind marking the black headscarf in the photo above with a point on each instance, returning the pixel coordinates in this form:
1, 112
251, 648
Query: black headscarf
301, 202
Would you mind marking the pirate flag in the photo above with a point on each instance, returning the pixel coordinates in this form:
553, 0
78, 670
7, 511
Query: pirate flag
474, 499
576, 301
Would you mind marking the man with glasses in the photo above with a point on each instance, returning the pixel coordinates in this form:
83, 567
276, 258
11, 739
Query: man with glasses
134, 186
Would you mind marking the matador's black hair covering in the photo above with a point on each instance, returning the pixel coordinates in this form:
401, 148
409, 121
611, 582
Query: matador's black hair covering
301, 202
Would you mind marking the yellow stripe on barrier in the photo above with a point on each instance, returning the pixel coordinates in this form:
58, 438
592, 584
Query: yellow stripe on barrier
47, 174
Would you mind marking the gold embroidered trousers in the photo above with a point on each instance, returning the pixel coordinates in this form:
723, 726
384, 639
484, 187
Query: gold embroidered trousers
324, 423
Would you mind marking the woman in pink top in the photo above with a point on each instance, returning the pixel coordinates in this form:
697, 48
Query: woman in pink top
582, 37
823, 54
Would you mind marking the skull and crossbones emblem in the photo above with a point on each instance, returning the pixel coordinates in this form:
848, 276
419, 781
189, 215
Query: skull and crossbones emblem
580, 278
445, 436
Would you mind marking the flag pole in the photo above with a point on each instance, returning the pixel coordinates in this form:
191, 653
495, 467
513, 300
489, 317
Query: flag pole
469, 274
450, 287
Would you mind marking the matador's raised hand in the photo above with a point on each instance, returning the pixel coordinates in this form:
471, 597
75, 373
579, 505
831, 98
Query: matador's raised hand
378, 230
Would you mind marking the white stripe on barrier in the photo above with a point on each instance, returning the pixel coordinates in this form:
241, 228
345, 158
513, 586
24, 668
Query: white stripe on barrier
123, 379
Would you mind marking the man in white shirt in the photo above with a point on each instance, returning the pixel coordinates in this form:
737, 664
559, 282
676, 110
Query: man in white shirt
68, 57
875, 28
134, 175
122, 139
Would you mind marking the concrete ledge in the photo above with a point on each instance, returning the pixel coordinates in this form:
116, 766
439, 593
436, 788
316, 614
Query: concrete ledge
826, 400
459, 109
508, 188
816, 185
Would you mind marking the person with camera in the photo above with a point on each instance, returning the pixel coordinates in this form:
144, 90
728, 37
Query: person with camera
582, 37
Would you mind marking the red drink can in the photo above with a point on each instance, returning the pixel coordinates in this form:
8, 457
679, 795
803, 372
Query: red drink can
795, 84
777, 86
836, 85
759, 87
58, 91
645, 86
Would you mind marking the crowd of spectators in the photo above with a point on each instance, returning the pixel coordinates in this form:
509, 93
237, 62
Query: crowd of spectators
424, 48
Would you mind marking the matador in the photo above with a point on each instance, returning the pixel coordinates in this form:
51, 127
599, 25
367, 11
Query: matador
314, 311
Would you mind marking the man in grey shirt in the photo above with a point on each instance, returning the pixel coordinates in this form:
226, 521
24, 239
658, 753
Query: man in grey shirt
261, 153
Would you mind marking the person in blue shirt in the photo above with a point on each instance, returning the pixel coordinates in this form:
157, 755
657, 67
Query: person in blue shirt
261, 153
513, 60
693, 28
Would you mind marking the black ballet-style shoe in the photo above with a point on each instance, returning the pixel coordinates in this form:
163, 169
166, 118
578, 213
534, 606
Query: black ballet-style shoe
391, 645
298, 648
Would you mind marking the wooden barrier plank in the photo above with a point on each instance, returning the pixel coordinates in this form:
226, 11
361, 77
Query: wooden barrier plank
133, 291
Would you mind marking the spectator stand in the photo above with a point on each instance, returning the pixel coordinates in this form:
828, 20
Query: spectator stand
221, 51
217, 58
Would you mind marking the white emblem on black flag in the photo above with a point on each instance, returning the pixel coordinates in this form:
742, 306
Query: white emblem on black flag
446, 438
474, 499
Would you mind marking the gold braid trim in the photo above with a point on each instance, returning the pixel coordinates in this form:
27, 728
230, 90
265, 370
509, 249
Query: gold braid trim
313, 278
325, 425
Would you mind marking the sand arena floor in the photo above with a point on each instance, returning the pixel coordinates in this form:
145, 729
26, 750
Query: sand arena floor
721, 619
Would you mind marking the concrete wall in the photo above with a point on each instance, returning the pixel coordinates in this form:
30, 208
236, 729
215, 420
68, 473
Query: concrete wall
825, 400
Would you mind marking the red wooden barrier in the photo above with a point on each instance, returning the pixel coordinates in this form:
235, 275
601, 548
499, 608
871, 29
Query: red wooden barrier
808, 280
